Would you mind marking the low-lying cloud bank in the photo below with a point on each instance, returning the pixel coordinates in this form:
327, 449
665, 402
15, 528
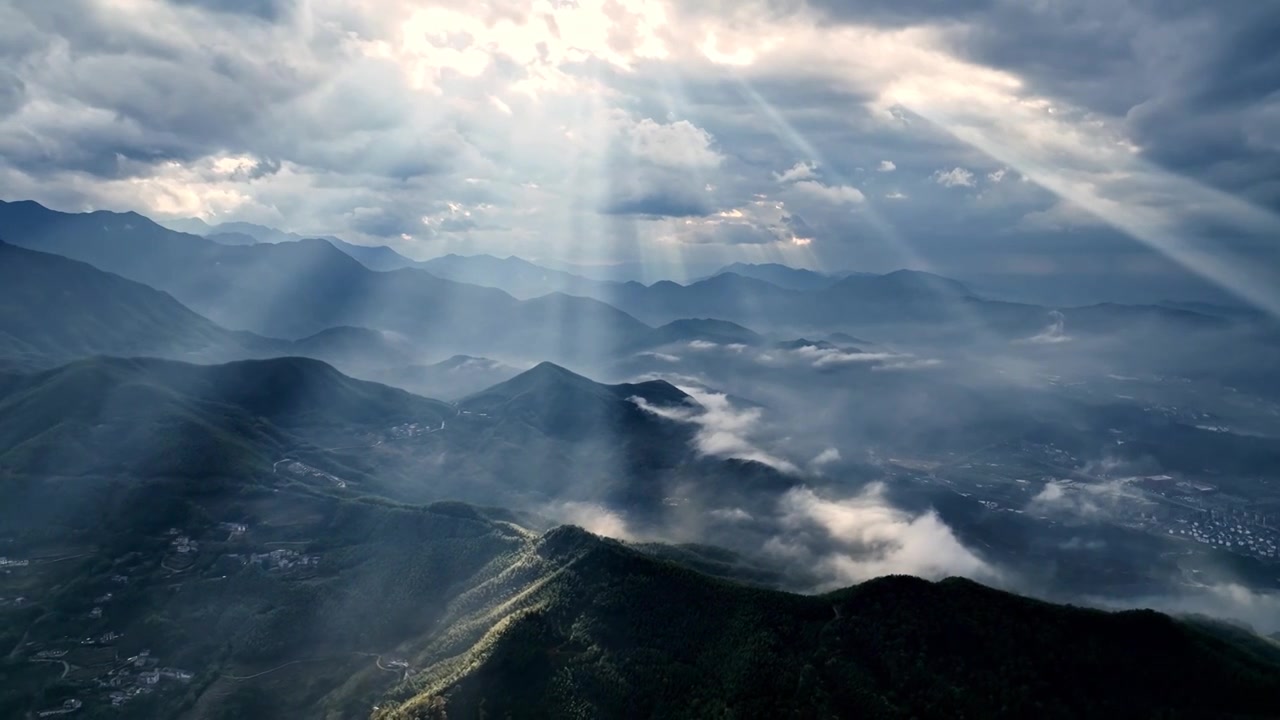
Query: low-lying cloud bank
848, 540
820, 356
1069, 499
1260, 610
1053, 333
592, 517
723, 429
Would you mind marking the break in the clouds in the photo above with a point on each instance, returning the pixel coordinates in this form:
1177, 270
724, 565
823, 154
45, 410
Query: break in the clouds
674, 134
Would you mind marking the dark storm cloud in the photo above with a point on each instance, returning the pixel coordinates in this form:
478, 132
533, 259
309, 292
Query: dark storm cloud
1197, 88
319, 116
1196, 81
658, 203
384, 223
119, 97
1218, 121
12, 92
128, 98
264, 9
901, 12
798, 226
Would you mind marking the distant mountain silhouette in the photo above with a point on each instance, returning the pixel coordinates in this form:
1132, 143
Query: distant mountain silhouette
356, 347
374, 257
845, 339
781, 275
232, 238
53, 309
296, 289
153, 417
705, 329
514, 275
803, 343
561, 403
450, 379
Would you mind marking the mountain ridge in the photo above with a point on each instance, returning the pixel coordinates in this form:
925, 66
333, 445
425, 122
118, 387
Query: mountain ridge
256, 288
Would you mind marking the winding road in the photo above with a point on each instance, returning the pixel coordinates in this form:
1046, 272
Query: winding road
377, 661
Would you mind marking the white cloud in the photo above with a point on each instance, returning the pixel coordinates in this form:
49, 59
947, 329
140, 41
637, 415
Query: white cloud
871, 538
895, 195
826, 457
998, 175
1087, 501
761, 221
799, 171
676, 145
664, 357
1053, 333
723, 430
591, 517
1260, 609
955, 177
822, 357
906, 364
886, 166
834, 194
733, 515
386, 104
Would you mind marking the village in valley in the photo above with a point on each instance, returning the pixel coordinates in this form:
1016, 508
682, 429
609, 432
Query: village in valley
104, 665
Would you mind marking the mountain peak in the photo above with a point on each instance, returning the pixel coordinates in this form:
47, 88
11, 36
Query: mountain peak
783, 276
460, 360
549, 369
543, 377
901, 284
920, 278
547, 385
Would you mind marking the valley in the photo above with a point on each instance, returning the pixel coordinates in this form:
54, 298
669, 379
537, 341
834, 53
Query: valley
203, 522
639, 360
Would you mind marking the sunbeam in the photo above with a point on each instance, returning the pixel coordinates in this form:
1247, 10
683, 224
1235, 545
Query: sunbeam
406, 360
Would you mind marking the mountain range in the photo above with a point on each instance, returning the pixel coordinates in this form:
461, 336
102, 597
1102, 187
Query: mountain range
221, 462
55, 310
152, 417
256, 288
785, 276
281, 593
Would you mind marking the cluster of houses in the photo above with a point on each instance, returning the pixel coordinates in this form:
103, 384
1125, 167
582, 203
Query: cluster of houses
1227, 535
183, 544
408, 430
105, 638
234, 530
139, 676
68, 706
13, 563
281, 559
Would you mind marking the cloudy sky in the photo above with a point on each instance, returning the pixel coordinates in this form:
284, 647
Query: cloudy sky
1082, 139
